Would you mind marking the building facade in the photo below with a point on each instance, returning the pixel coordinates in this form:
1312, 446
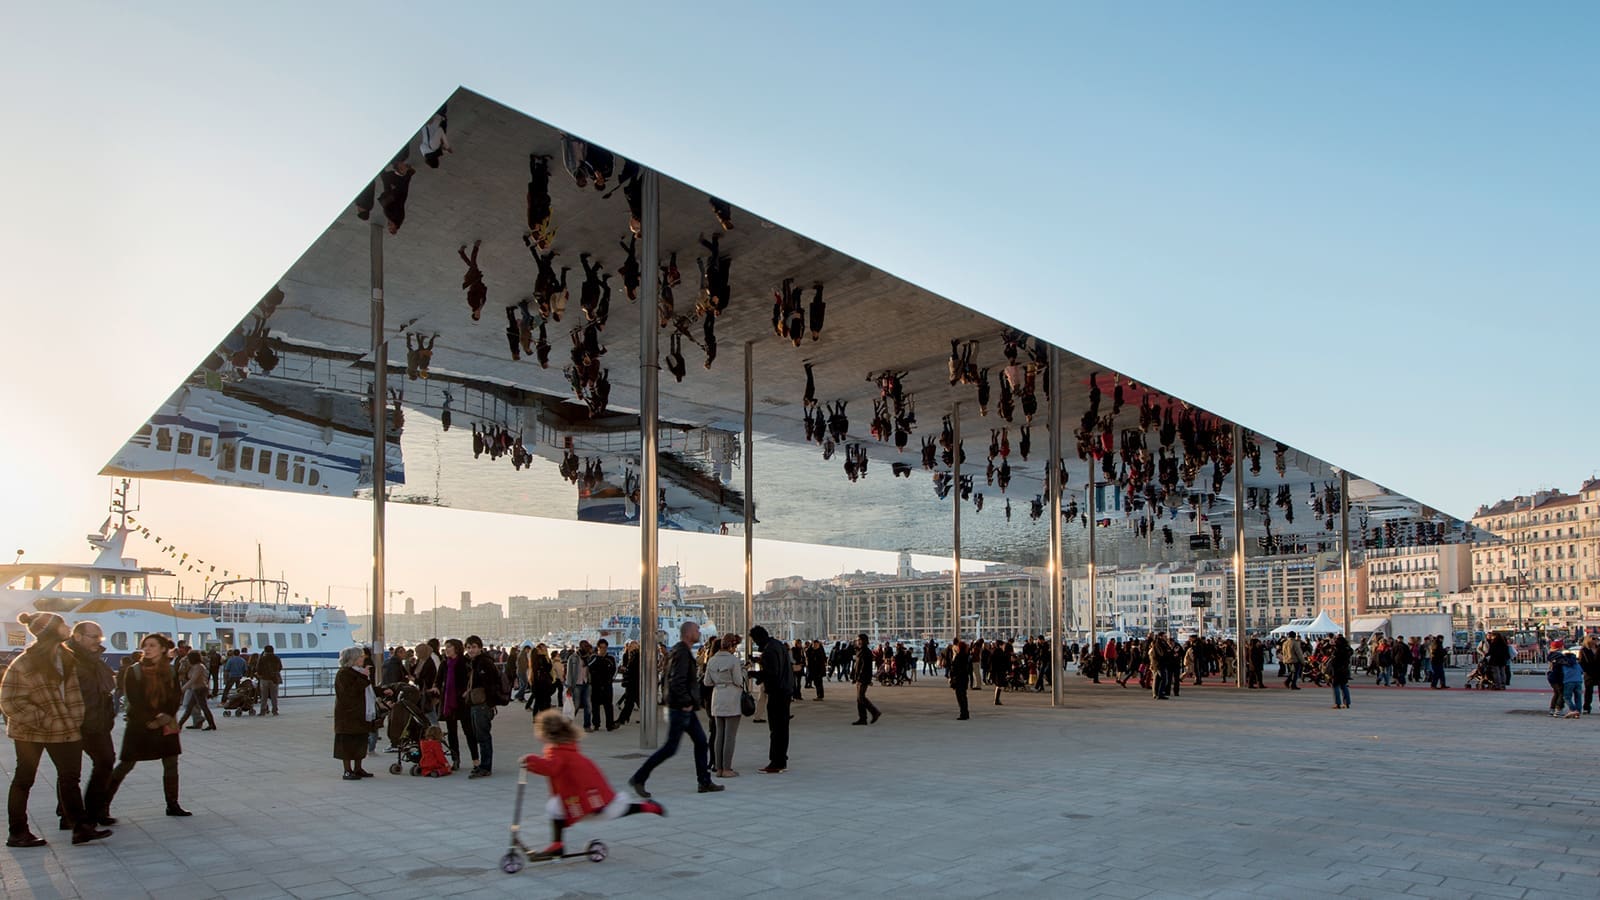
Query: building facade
1544, 569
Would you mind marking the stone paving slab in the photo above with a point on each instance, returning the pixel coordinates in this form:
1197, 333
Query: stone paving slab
1220, 793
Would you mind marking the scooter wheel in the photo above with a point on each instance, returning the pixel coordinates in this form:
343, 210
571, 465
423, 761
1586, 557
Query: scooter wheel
511, 863
596, 851
395, 769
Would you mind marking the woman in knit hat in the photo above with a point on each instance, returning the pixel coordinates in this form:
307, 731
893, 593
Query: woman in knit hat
44, 714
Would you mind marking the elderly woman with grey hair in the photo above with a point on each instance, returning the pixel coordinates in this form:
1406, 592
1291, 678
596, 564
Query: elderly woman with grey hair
355, 707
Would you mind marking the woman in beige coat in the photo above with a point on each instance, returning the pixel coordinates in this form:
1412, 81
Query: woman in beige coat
726, 675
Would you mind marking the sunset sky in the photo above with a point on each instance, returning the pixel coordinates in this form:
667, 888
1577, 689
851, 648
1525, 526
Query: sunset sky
1367, 229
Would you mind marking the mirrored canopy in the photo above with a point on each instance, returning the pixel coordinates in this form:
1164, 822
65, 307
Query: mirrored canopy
511, 286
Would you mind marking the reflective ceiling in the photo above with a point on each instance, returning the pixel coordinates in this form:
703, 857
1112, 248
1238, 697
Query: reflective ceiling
515, 376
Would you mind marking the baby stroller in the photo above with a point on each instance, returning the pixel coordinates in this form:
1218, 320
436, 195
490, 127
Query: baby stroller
243, 699
1481, 678
407, 724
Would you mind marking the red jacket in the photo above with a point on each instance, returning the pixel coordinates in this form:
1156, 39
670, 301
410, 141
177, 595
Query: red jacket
574, 779
433, 758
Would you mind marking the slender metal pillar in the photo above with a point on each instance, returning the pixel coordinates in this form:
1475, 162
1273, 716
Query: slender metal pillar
1094, 599
955, 528
1344, 547
749, 496
1052, 485
1240, 650
649, 507
380, 443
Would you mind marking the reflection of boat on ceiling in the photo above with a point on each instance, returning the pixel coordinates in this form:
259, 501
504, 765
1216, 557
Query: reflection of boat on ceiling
260, 432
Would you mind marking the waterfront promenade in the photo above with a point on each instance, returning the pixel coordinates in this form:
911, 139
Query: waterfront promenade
1221, 793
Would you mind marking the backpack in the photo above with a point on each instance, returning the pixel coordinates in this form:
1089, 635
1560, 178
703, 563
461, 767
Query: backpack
506, 687
1556, 675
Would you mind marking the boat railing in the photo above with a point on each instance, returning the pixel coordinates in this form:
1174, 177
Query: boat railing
312, 681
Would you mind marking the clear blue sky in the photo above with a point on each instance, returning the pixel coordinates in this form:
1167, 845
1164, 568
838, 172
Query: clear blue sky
1368, 229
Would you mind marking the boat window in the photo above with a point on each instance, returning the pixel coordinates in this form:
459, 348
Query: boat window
139, 636
134, 585
261, 639
119, 641
283, 467
205, 447
185, 442
247, 458
280, 642
264, 465
299, 470
164, 440
183, 638
226, 462
56, 604
311, 640
315, 478
78, 584
144, 430
296, 641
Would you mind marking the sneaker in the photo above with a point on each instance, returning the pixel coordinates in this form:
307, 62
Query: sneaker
554, 851
638, 789
771, 770
709, 788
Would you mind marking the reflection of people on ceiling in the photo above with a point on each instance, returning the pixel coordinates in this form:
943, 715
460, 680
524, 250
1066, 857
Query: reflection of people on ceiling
434, 143
513, 333
708, 327
396, 188
444, 412
365, 201
714, 277
633, 192
630, 269
675, 363
419, 354
723, 212
818, 308
541, 228
586, 162
472, 282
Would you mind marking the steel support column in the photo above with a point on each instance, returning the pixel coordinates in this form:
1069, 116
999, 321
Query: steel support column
380, 444
955, 528
1344, 548
1241, 652
649, 507
1094, 600
749, 495
1053, 486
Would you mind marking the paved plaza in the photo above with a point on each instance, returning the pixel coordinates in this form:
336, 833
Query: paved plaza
1221, 793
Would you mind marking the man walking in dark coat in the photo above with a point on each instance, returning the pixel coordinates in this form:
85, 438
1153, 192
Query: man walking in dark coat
683, 698
861, 674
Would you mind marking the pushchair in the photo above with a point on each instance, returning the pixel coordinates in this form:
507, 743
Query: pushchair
407, 723
1482, 678
243, 699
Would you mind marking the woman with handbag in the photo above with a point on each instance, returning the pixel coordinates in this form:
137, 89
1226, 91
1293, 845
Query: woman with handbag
725, 674
354, 708
152, 730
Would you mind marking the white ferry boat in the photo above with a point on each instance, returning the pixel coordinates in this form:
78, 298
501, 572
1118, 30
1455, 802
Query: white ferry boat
262, 432
115, 592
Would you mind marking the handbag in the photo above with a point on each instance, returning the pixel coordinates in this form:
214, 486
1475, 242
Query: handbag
747, 703
476, 696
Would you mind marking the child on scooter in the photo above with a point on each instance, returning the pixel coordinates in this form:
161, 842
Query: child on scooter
577, 786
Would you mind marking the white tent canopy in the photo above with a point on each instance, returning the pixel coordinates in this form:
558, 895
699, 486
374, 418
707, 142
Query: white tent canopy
1318, 627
